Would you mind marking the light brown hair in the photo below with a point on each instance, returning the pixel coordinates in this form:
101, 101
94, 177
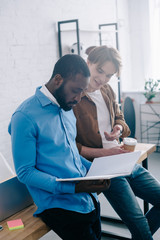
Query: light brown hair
103, 54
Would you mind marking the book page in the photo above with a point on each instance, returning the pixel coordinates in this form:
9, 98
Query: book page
109, 167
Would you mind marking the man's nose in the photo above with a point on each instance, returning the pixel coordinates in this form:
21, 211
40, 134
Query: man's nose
105, 79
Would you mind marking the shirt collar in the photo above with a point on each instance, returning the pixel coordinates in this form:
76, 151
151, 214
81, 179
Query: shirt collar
44, 100
47, 93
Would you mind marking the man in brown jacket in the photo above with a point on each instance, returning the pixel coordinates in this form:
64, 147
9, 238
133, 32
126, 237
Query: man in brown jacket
99, 125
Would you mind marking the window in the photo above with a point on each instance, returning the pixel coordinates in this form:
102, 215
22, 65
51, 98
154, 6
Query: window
155, 37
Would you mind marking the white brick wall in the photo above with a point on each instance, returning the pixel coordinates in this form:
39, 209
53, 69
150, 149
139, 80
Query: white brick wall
28, 47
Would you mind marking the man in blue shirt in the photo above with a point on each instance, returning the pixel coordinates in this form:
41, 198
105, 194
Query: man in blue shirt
43, 131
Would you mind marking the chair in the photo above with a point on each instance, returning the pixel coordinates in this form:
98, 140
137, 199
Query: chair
129, 115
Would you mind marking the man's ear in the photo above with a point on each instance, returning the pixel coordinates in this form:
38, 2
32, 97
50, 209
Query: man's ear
58, 80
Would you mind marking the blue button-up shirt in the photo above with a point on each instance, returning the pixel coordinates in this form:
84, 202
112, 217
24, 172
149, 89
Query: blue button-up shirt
44, 148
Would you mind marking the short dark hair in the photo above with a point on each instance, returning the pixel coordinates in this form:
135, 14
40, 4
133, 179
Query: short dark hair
70, 65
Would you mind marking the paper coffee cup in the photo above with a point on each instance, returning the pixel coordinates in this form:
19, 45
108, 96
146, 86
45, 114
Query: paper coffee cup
129, 144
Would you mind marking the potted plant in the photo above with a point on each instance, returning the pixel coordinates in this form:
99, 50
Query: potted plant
151, 87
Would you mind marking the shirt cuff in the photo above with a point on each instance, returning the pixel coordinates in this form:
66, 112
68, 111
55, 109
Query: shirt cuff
65, 187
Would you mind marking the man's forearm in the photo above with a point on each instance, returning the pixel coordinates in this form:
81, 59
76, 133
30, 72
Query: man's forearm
91, 153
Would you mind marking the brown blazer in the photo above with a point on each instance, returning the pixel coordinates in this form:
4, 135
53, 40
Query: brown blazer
87, 123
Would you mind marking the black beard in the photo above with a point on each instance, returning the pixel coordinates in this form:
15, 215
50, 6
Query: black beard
60, 97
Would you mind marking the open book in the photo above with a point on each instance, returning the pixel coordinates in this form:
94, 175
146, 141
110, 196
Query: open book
109, 167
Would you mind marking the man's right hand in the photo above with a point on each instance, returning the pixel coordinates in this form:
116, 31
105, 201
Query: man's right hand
91, 186
114, 151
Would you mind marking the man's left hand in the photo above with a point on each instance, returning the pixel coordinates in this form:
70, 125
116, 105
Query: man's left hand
115, 134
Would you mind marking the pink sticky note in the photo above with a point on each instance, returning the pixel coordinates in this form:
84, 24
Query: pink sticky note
15, 224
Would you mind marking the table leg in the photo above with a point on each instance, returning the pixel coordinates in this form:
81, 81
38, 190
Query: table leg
145, 163
146, 205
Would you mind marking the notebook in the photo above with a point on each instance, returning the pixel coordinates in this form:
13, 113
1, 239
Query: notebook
109, 167
14, 196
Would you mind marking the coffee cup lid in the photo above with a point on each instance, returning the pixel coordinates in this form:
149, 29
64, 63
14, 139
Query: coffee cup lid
130, 141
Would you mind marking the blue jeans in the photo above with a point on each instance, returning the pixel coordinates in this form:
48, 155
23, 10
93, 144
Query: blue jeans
122, 196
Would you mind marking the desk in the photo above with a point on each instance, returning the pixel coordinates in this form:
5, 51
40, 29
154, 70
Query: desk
146, 149
33, 229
